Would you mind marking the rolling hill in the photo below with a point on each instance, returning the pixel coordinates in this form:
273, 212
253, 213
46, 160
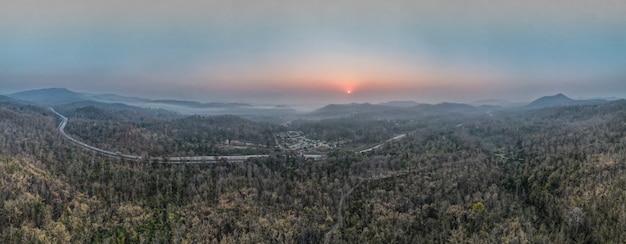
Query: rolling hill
560, 100
50, 96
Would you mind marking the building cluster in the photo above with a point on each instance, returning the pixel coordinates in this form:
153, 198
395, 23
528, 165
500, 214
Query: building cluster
296, 140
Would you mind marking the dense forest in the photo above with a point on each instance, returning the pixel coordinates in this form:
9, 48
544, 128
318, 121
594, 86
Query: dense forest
163, 134
550, 175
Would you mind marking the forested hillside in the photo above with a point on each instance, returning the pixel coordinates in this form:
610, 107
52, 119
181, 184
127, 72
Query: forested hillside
155, 133
553, 175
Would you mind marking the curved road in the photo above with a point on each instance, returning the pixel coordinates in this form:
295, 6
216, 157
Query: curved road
194, 159
61, 128
344, 196
339, 221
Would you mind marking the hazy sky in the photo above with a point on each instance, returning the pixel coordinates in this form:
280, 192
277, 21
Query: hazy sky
279, 51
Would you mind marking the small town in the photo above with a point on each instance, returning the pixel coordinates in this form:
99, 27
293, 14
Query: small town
296, 140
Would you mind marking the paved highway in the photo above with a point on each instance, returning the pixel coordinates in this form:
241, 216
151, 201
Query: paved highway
61, 128
395, 138
194, 159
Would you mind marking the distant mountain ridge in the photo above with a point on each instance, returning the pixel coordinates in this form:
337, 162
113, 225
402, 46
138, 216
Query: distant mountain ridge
401, 104
497, 102
58, 96
445, 108
351, 108
561, 100
194, 104
383, 110
62, 98
6, 99
396, 109
49, 96
117, 98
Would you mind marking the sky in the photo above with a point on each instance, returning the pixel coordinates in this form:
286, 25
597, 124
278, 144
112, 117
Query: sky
293, 51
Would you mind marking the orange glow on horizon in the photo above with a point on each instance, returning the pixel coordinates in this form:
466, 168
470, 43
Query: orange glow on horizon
325, 70
340, 73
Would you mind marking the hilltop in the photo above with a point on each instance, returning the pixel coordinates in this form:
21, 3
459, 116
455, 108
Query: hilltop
561, 100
